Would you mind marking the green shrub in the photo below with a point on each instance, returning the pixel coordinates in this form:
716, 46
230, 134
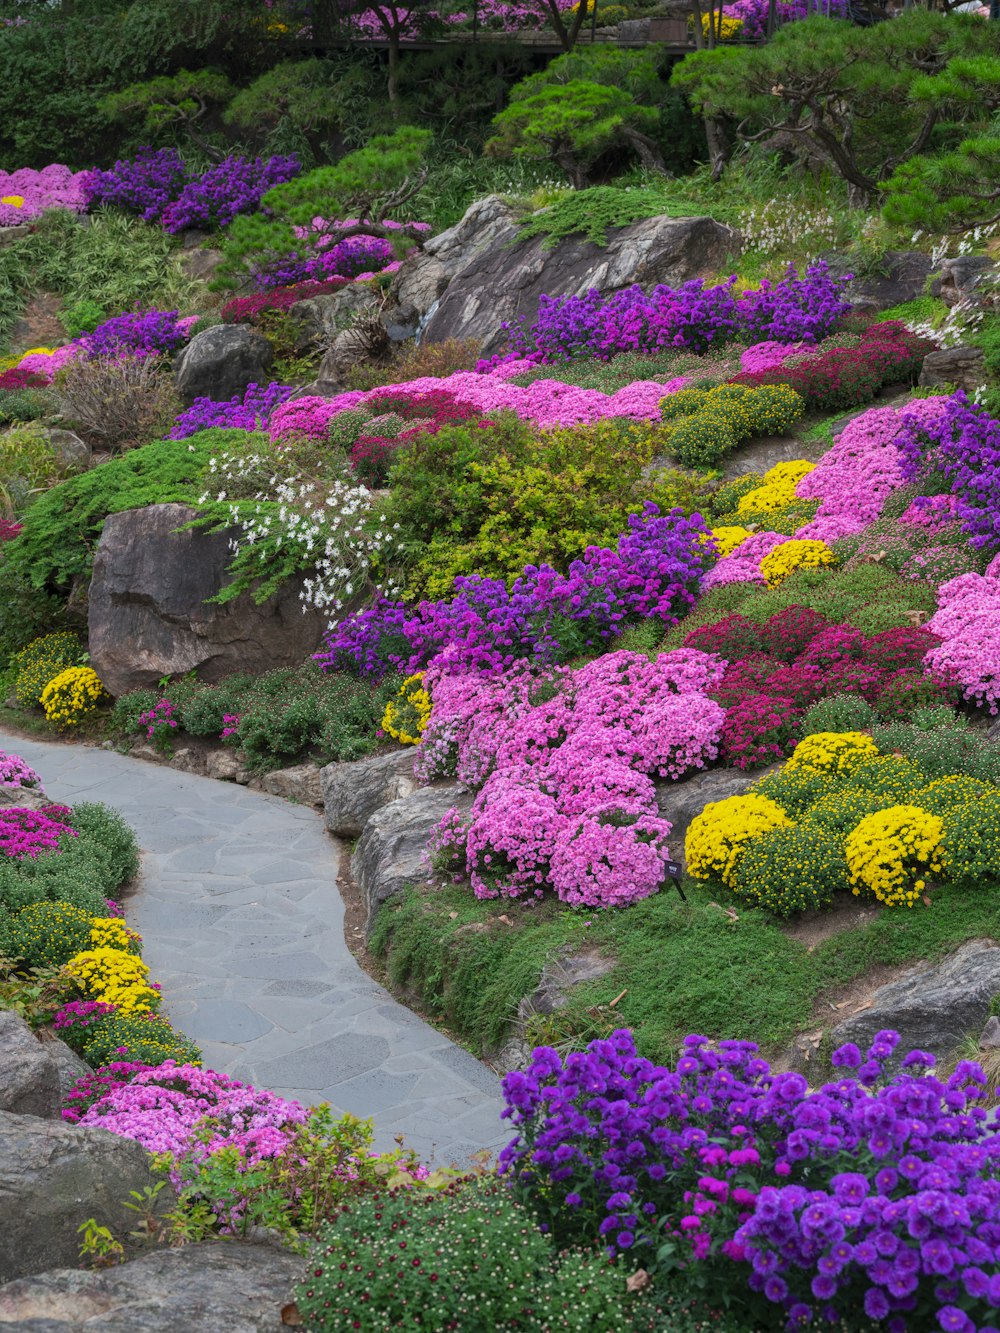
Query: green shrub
474, 1255
972, 840
82, 316
796, 790
146, 1037
75, 874
839, 712
936, 753
789, 870
727, 496
48, 934
25, 611
41, 661
19, 406
703, 427
27, 461
112, 839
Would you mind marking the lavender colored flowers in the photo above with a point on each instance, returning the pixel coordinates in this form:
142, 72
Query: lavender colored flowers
251, 412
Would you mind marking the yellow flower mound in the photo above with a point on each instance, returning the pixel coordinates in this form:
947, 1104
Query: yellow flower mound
792, 555
111, 932
117, 977
719, 835
891, 852
37, 351
406, 716
838, 752
730, 27
728, 538
14, 200
777, 489
71, 695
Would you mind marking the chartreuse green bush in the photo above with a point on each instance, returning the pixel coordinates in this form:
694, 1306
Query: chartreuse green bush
473, 1255
701, 426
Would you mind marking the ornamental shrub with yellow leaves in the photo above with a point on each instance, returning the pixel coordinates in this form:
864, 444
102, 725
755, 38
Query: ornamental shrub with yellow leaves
72, 695
792, 555
117, 977
720, 834
837, 752
406, 717
892, 852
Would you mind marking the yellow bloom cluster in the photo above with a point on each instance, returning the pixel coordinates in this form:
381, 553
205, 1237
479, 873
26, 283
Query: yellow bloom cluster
891, 851
833, 751
111, 932
719, 835
41, 661
728, 538
792, 555
14, 200
115, 976
730, 27
35, 351
71, 695
407, 715
777, 488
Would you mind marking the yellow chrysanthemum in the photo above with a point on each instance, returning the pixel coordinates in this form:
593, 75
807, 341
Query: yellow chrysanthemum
719, 835
792, 555
837, 752
406, 716
891, 852
117, 977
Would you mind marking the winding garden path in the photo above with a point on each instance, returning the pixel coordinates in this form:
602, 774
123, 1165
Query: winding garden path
243, 925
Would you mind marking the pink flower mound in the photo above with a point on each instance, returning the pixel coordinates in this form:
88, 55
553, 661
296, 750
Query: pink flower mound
854, 479
768, 355
547, 402
163, 1108
565, 760
743, 564
25, 833
935, 512
46, 366
52, 187
968, 621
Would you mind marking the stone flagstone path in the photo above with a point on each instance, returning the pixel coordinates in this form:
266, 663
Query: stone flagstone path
243, 925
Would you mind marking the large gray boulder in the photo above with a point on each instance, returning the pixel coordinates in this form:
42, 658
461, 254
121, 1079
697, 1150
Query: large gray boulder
212, 1287
932, 1008
966, 280
964, 367
680, 802
220, 362
902, 276
321, 318
391, 853
53, 1176
471, 278
149, 614
29, 1076
352, 792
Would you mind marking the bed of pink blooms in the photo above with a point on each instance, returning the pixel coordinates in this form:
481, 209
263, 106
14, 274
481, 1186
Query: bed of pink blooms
565, 785
968, 620
47, 364
52, 187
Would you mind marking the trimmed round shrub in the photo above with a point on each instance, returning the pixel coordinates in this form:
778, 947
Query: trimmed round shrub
840, 712
49, 934
111, 838
145, 1037
470, 1252
796, 790
788, 870
972, 837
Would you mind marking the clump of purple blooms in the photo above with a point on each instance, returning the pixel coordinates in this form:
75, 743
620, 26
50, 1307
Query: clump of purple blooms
691, 316
874, 1192
653, 571
350, 258
157, 185
137, 333
251, 412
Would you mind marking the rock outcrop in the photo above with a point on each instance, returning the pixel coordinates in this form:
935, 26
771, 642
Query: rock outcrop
149, 614
680, 802
964, 367
220, 362
212, 1287
391, 852
469, 280
932, 1008
53, 1177
29, 1076
352, 792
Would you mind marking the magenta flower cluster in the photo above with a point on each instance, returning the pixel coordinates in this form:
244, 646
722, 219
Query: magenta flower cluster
872, 1192
250, 412
968, 623
52, 187
27, 833
16, 772
545, 616
692, 316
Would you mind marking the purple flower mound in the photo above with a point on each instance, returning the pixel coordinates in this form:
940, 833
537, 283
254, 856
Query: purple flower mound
251, 412
347, 259
692, 316
873, 1192
136, 333
236, 185
146, 185
653, 571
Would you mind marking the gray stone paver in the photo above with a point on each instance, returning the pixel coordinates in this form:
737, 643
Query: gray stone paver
244, 927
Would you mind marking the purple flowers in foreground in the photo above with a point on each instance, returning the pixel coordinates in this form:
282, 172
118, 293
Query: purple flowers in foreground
137, 333
251, 412
692, 316
545, 616
870, 1192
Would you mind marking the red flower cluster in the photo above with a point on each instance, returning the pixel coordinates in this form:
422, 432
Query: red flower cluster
8, 529
12, 380
782, 667
848, 376
430, 412
245, 309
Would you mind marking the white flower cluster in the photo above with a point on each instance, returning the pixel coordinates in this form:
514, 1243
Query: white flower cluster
775, 227
331, 533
